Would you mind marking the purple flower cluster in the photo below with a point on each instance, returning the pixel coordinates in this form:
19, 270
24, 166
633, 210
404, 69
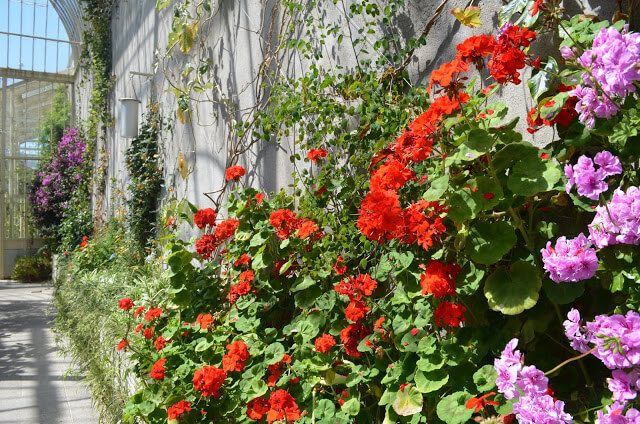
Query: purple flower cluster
619, 221
570, 260
614, 415
589, 181
617, 342
529, 385
610, 71
57, 178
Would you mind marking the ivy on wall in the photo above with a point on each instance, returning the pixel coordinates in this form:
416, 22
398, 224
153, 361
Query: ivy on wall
145, 180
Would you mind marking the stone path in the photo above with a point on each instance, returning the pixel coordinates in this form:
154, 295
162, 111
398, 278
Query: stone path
33, 388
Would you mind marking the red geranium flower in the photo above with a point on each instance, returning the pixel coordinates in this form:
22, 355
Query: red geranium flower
324, 343
356, 310
161, 342
450, 314
148, 333
316, 154
338, 267
206, 245
355, 288
276, 369
307, 227
478, 404
446, 76
257, 407
208, 380
475, 49
204, 320
139, 311
439, 279
244, 259
392, 175
123, 343
284, 221
177, 409
205, 217
380, 215
237, 354
152, 313
282, 405
225, 229
157, 371
351, 337
126, 304
234, 172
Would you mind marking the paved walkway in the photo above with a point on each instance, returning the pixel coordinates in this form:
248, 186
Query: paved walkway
33, 388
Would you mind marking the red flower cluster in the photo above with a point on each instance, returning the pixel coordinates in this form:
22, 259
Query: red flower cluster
177, 409
244, 260
125, 304
338, 267
447, 77
324, 343
204, 320
508, 57
380, 215
205, 217
148, 333
157, 371
138, 311
234, 172
355, 288
352, 336
276, 369
475, 49
243, 287
281, 405
208, 380
284, 221
225, 229
307, 227
450, 314
160, 343
422, 223
234, 359
152, 313
439, 279
392, 175
122, 344
206, 245
316, 154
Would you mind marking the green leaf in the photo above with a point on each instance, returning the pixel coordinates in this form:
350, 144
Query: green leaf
533, 175
431, 362
510, 154
463, 205
452, 408
469, 279
186, 36
486, 185
437, 189
489, 241
408, 401
541, 81
431, 381
274, 353
259, 239
515, 290
562, 293
302, 283
305, 299
324, 409
485, 378
479, 140
351, 407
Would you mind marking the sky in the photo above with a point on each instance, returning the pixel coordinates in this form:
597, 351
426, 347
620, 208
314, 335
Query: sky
32, 18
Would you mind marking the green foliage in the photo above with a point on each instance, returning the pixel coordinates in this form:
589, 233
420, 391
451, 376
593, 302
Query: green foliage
91, 281
55, 120
145, 181
32, 268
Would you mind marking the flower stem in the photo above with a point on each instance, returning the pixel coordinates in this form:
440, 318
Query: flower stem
575, 358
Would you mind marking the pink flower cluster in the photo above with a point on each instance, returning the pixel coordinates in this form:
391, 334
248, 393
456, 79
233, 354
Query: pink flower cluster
529, 385
589, 181
570, 260
617, 342
619, 221
611, 67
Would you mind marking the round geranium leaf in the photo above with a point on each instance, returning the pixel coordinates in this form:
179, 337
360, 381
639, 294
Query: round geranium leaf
479, 140
533, 175
452, 408
515, 290
427, 382
463, 205
488, 241
274, 353
563, 293
485, 378
489, 192
351, 407
436, 190
408, 401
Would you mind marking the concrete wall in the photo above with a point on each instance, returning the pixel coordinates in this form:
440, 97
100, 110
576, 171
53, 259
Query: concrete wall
236, 41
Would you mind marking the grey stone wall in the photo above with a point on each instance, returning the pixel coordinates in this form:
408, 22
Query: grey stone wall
237, 41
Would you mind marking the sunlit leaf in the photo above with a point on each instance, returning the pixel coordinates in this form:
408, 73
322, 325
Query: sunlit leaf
469, 17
